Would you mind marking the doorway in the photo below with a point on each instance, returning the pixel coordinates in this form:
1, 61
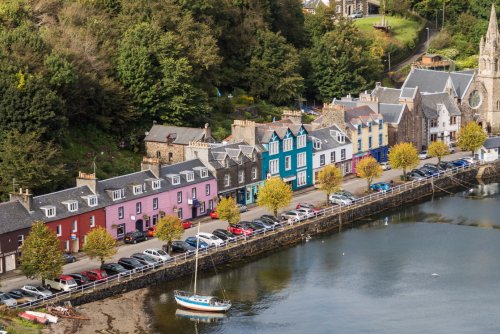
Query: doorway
194, 212
139, 225
75, 245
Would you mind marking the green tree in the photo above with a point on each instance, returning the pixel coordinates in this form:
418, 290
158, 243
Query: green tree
169, 228
368, 168
438, 149
227, 210
403, 156
329, 180
274, 195
28, 159
471, 137
41, 256
99, 244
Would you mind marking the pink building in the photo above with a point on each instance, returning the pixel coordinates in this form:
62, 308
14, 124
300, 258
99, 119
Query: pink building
138, 200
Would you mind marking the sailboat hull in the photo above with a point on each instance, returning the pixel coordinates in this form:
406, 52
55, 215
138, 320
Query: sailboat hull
202, 303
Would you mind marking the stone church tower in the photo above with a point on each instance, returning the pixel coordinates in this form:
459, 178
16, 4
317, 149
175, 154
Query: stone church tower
483, 96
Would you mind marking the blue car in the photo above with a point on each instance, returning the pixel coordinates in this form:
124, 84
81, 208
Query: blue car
192, 242
380, 186
459, 163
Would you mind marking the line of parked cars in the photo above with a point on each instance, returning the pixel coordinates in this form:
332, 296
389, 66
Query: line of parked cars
420, 174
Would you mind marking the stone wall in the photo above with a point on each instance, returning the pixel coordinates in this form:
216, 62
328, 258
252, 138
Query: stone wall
165, 149
283, 237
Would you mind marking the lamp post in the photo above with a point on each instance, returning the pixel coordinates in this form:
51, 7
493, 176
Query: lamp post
427, 38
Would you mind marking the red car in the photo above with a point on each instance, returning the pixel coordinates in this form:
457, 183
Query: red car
151, 231
239, 229
95, 274
214, 215
308, 206
187, 224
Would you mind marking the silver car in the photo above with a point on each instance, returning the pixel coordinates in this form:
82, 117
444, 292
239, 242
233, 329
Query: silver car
7, 300
340, 199
294, 215
242, 208
309, 213
37, 291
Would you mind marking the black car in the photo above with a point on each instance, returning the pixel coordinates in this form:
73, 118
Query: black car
429, 171
69, 258
80, 279
135, 237
256, 225
113, 268
130, 263
146, 259
19, 294
223, 234
180, 246
445, 165
267, 225
434, 166
270, 218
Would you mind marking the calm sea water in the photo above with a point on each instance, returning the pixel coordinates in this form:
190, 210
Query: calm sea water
377, 278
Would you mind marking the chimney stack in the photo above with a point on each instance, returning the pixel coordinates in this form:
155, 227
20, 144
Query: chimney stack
152, 164
88, 180
25, 198
208, 133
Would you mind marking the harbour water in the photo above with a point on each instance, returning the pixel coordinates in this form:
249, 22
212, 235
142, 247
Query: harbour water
432, 267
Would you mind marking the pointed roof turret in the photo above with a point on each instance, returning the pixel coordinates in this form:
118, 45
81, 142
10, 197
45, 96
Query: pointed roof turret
492, 34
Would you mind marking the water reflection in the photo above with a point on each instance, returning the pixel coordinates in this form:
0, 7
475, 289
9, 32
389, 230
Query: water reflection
199, 316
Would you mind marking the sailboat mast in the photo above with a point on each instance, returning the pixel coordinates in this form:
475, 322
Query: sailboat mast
196, 259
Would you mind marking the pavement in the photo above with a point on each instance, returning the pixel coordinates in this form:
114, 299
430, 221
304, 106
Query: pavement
15, 279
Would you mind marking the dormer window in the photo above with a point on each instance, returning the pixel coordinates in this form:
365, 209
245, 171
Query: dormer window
204, 173
137, 189
72, 205
50, 211
340, 138
156, 184
174, 178
92, 200
189, 175
118, 194
317, 144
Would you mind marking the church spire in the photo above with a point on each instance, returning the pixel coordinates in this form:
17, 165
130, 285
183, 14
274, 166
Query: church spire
492, 34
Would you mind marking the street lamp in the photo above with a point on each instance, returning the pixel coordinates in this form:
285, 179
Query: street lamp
427, 38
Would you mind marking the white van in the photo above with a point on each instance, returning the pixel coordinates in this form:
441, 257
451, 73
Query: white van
62, 283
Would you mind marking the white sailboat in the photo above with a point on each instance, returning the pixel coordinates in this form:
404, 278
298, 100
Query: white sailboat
194, 301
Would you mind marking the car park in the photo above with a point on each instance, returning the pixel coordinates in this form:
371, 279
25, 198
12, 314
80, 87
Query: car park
210, 239
21, 296
135, 237
224, 235
339, 199
423, 155
214, 214
380, 186
158, 254
113, 268
37, 291
180, 246
193, 241
308, 206
145, 259
69, 258
239, 229
130, 263
241, 207
79, 278
7, 300
95, 274
294, 215
61, 283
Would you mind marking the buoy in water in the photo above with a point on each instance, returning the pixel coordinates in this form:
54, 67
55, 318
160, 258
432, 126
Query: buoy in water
435, 275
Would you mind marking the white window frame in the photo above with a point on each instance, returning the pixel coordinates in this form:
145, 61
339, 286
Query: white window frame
204, 173
155, 203
156, 184
137, 189
59, 230
342, 154
121, 212
20, 240
274, 166
176, 179
179, 213
193, 192
92, 200
189, 176
254, 173
138, 207
179, 197
287, 144
117, 194
322, 160
301, 178
74, 226
92, 221
301, 159
227, 180
317, 144
288, 162
333, 156
207, 189
274, 147
301, 141
50, 211
340, 138
241, 176
66, 245
73, 207
202, 208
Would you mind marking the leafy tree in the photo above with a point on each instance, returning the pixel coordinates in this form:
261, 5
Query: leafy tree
41, 256
28, 159
169, 228
403, 156
60, 71
368, 168
227, 210
329, 180
274, 195
471, 137
438, 149
274, 67
100, 244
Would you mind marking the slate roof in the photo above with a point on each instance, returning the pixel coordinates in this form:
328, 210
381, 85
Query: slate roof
179, 134
239, 153
14, 217
392, 112
386, 94
408, 92
327, 141
430, 102
264, 132
360, 115
430, 81
493, 142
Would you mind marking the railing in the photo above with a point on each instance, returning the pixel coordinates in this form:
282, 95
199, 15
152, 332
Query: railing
336, 209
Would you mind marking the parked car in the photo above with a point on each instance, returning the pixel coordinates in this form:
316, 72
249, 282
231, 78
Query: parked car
385, 165
21, 296
135, 237
270, 219
460, 163
151, 231
356, 15
210, 239
340, 199
145, 259
309, 213
69, 258
264, 223
158, 254
214, 214
433, 168
193, 241
61, 283
239, 229
180, 246
130, 263
429, 171
223, 234
416, 175
469, 159
113, 268
7, 300
380, 186
256, 225
37, 291
241, 207
79, 278
95, 274
423, 155
294, 215
308, 206
348, 194
445, 165
187, 224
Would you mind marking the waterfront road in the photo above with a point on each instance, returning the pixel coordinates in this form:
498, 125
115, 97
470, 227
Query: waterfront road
354, 185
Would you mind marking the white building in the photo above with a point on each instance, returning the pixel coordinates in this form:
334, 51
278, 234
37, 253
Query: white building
330, 146
442, 118
490, 149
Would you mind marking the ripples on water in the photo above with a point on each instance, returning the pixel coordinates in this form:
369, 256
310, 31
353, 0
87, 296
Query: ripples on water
373, 279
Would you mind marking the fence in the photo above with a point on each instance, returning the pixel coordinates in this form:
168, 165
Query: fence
175, 260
